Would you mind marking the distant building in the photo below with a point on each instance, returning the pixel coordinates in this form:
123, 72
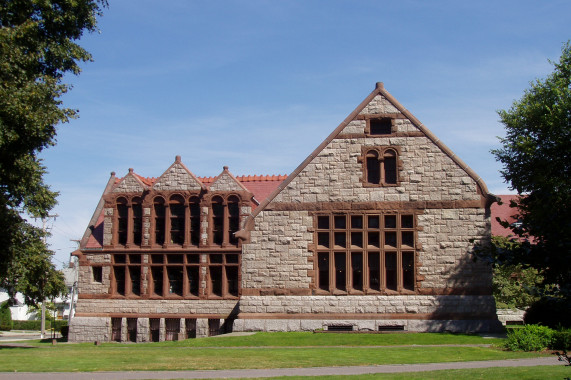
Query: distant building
372, 232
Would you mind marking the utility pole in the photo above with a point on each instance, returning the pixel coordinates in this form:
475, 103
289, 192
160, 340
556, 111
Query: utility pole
45, 239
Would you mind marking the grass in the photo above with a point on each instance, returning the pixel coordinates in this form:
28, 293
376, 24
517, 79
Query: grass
513, 373
262, 350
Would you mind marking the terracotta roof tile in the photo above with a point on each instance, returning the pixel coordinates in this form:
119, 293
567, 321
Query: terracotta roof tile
504, 212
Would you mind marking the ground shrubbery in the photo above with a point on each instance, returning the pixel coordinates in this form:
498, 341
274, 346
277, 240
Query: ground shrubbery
538, 338
5, 317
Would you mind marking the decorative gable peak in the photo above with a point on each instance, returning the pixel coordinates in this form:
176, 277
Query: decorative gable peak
178, 177
131, 183
226, 182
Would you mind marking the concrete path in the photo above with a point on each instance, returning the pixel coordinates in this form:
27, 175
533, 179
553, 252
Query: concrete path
240, 373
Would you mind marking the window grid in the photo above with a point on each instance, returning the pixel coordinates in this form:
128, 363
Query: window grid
177, 275
365, 253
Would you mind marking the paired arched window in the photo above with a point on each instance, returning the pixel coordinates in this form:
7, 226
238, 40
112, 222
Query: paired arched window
129, 223
381, 167
225, 220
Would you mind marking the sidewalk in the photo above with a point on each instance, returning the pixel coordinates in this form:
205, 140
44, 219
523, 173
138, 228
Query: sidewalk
240, 373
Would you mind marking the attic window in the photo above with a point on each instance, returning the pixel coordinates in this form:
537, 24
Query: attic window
380, 166
381, 126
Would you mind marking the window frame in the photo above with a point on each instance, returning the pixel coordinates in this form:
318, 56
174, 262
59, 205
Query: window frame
376, 158
338, 236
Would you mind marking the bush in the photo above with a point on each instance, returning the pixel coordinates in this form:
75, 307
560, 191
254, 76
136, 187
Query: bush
552, 312
561, 340
5, 317
36, 325
64, 330
530, 338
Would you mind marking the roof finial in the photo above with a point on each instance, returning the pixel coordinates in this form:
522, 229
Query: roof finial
380, 85
225, 168
177, 159
130, 170
112, 174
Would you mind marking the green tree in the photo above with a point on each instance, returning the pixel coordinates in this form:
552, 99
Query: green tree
38, 46
536, 158
513, 285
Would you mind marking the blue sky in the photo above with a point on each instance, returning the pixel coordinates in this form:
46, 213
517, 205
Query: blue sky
257, 85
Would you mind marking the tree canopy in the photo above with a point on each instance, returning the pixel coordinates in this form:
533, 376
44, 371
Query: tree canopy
536, 158
38, 46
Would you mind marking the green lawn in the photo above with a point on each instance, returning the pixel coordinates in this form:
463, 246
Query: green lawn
262, 350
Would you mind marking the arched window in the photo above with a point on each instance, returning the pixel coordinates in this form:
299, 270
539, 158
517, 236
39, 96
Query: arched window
176, 207
159, 222
122, 221
217, 220
194, 221
373, 167
137, 220
233, 218
381, 167
390, 167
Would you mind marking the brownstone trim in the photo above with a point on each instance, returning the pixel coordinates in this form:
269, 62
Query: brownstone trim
373, 206
343, 136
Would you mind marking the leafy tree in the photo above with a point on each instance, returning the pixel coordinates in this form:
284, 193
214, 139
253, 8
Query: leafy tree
513, 286
536, 158
37, 48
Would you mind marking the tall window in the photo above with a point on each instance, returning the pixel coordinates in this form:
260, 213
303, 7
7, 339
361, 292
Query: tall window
225, 220
223, 274
175, 274
217, 220
137, 221
194, 221
233, 218
176, 208
122, 221
365, 253
381, 167
126, 274
159, 220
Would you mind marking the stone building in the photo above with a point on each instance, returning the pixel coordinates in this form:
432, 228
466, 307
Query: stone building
372, 232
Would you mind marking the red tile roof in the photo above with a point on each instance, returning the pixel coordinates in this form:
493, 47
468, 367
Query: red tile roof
504, 212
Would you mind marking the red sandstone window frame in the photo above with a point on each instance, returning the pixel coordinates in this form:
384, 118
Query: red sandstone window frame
381, 166
351, 247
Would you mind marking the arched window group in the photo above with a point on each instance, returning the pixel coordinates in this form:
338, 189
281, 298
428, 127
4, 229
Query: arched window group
176, 221
381, 167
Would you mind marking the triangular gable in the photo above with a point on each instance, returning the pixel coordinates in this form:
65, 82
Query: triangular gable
226, 182
131, 183
178, 177
93, 235
379, 101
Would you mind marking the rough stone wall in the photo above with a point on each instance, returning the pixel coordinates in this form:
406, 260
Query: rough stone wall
129, 184
85, 281
134, 306
445, 260
177, 178
225, 182
278, 257
90, 329
377, 304
335, 175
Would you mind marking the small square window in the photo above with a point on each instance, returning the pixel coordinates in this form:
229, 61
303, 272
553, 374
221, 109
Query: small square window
380, 126
97, 274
